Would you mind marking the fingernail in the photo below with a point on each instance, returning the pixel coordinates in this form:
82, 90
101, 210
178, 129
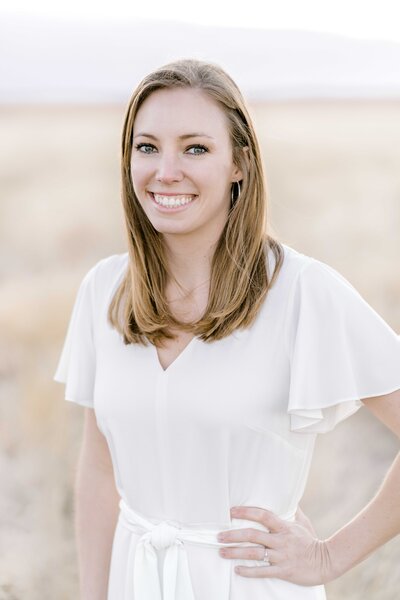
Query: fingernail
220, 537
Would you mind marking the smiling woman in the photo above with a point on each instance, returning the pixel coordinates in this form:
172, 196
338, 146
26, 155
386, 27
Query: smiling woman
209, 356
182, 179
176, 173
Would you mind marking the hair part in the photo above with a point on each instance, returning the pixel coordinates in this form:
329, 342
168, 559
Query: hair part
240, 277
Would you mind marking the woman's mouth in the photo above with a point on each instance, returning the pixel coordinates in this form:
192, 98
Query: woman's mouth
170, 202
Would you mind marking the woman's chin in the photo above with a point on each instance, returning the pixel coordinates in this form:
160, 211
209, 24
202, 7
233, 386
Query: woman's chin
171, 228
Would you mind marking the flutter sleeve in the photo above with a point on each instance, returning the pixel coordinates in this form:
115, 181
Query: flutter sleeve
340, 350
77, 364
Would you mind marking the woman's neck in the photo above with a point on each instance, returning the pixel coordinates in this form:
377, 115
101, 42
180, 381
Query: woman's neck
189, 262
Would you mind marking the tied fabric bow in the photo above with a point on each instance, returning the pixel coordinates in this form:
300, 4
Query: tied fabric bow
176, 584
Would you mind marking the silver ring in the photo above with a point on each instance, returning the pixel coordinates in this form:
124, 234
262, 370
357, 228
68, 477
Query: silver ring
265, 559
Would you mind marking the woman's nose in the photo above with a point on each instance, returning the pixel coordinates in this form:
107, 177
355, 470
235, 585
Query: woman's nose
168, 169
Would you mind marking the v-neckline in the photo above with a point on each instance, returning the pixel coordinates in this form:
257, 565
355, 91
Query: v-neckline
176, 359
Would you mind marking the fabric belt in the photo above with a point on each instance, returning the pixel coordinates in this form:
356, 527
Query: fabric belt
176, 584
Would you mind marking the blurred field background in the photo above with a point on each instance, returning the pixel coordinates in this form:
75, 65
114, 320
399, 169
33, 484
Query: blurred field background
334, 193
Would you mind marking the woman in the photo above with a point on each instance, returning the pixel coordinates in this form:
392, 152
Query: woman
209, 357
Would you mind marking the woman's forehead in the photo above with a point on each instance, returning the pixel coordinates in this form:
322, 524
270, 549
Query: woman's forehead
185, 109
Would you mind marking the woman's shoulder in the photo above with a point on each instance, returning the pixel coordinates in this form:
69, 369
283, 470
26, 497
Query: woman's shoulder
295, 259
105, 275
311, 272
110, 266
293, 264
314, 284
300, 271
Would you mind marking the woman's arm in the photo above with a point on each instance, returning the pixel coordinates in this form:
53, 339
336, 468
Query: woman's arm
379, 521
96, 505
294, 552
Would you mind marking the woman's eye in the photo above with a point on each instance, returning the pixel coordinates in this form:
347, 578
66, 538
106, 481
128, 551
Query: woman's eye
145, 148
150, 149
197, 149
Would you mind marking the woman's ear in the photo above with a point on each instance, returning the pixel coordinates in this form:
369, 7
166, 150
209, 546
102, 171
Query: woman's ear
237, 172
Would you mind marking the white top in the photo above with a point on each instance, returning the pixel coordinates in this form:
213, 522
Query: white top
228, 423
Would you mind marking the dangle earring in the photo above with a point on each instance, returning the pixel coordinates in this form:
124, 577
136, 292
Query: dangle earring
233, 199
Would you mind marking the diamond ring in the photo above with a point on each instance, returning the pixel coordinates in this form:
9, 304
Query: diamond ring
265, 559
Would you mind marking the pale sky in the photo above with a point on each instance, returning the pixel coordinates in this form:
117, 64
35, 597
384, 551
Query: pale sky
364, 19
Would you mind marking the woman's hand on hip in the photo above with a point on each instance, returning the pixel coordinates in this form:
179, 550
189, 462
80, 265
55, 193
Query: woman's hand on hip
294, 552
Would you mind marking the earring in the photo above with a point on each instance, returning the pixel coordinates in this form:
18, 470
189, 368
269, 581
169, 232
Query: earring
233, 200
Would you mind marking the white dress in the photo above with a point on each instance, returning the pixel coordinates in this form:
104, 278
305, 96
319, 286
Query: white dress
228, 423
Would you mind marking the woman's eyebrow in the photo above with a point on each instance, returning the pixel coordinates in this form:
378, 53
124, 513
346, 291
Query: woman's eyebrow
181, 137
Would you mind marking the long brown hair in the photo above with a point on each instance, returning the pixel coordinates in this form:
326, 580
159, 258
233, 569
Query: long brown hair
240, 277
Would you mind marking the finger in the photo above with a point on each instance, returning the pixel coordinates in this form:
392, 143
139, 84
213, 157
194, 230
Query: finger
261, 515
255, 536
252, 553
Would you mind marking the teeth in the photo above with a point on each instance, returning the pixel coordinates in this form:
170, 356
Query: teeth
172, 201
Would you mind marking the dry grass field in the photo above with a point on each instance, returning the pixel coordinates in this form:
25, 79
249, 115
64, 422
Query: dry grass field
334, 193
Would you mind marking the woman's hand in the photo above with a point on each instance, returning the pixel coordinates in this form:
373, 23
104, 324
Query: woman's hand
294, 552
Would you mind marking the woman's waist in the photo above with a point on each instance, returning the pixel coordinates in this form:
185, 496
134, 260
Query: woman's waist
165, 532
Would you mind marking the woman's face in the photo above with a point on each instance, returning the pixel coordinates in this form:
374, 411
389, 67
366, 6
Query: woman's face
182, 166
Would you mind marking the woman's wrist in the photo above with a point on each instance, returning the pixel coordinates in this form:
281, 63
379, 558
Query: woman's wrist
328, 570
336, 560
